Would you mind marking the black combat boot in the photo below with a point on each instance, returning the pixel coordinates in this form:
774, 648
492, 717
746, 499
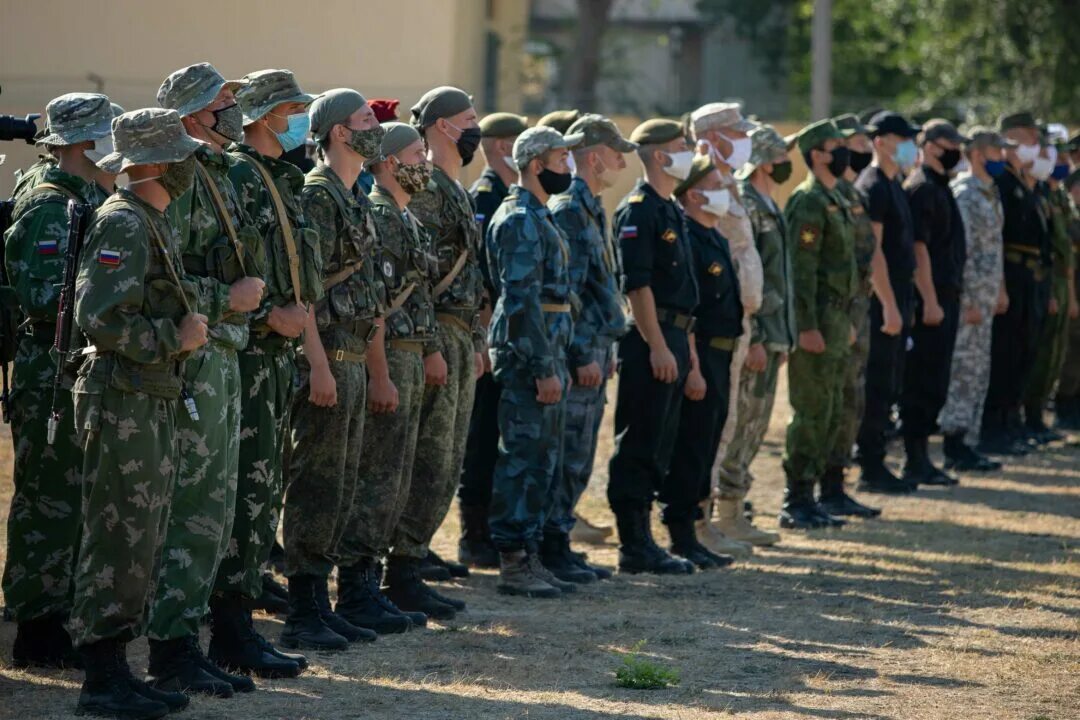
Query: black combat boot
876, 478
304, 627
475, 547
835, 501
636, 553
582, 560
43, 642
176, 665
108, 690
1038, 429
919, 468
234, 643
335, 622
239, 683
407, 590
362, 603
962, 457
684, 543
455, 569
799, 511
556, 557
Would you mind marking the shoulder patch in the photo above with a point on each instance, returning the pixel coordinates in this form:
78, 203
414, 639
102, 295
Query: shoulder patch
388, 268
809, 234
109, 257
628, 232
483, 186
716, 268
636, 198
48, 247
669, 236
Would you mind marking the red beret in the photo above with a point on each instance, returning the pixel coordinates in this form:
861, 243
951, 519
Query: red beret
385, 109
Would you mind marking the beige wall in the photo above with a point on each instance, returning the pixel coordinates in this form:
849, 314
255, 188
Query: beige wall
383, 49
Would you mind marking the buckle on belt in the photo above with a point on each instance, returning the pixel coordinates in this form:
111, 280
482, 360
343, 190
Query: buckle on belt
339, 355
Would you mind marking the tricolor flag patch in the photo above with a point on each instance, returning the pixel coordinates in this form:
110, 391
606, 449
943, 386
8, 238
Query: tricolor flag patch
109, 257
47, 247
628, 231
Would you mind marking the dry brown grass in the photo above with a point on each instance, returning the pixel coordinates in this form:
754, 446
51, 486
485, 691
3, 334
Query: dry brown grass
961, 604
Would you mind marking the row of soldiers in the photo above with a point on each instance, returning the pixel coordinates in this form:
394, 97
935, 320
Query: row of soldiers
249, 329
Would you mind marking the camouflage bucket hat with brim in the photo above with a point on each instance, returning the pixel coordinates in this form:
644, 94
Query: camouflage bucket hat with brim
148, 136
264, 90
191, 89
766, 146
76, 118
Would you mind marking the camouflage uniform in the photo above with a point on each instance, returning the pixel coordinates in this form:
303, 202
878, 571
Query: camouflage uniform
129, 307
980, 208
530, 329
774, 327
45, 519
268, 370
324, 466
26, 179
855, 374
601, 321
385, 487
445, 209
204, 501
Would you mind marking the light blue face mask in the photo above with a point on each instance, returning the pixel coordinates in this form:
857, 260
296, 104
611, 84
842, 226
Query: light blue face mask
294, 137
906, 154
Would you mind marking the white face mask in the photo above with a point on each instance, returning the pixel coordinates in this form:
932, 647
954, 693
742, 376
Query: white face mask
1027, 153
680, 164
1042, 167
102, 147
740, 152
133, 183
509, 160
717, 202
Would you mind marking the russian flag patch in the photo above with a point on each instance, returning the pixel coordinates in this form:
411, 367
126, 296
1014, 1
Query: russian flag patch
628, 231
109, 257
47, 247
480, 217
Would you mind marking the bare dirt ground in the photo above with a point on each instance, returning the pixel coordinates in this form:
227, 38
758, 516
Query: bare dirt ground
961, 603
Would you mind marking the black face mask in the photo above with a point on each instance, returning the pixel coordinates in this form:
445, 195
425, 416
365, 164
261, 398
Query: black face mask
949, 159
859, 161
553, 182
839, 161
781, 172
467, 144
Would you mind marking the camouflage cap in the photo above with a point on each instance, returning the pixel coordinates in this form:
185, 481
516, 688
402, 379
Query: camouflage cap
600, 130
397, 137
332, 108
981, 136
536, 141
561, 120
76, 118
440, 102
701, 166
143, 137
715, 116
503, 125
766, 146
1011, 121
940, 129
263, 90
190, 89
657, 132
849, 124
814, 135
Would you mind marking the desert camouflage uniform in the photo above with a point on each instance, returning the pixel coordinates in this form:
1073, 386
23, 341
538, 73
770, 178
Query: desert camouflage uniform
45, 519
125, 402
980, 208
446, 211
324, 463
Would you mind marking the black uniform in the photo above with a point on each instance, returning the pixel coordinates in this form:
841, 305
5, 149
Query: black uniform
656, 254
719, 324
884, 367
940, 227
482, 446
1016, 332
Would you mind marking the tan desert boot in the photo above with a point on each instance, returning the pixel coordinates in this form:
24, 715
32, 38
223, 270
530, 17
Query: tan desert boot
733, 524
711, 537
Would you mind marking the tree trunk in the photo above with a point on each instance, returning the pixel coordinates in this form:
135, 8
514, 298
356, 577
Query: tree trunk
583, 63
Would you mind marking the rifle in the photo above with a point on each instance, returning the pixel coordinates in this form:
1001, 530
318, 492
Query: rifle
7, 322
78, 220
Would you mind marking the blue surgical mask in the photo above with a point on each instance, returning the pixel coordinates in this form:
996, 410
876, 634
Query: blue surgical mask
995, 167
906, 154
1060, 172
296, 134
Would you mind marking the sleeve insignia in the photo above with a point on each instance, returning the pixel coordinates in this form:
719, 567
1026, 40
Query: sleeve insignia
48, 247
109, 257
636, 198
483, 186
716, 268
669, 236
388, 269
808, 235
628, 232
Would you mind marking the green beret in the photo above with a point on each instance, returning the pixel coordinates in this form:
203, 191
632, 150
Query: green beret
1017, 120
332, 108
699, 168
503, 125
814, 135
657, 132
849, 124
561, 120
442, 102
397, 136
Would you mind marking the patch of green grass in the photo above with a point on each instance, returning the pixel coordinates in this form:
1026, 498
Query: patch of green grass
638, 673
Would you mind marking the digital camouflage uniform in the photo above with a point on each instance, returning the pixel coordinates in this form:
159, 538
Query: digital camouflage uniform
980, 208
324, 464
774, 327
31, 176
446, 211
204, 501
45, 521
821, 232
601, 321
855, 374
129, 307
389, 447
268, 369
530, 329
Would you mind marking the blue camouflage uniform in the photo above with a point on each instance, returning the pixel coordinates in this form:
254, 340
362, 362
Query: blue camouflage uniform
530, 329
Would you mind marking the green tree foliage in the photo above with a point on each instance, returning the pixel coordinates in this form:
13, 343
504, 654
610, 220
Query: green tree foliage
967, 58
